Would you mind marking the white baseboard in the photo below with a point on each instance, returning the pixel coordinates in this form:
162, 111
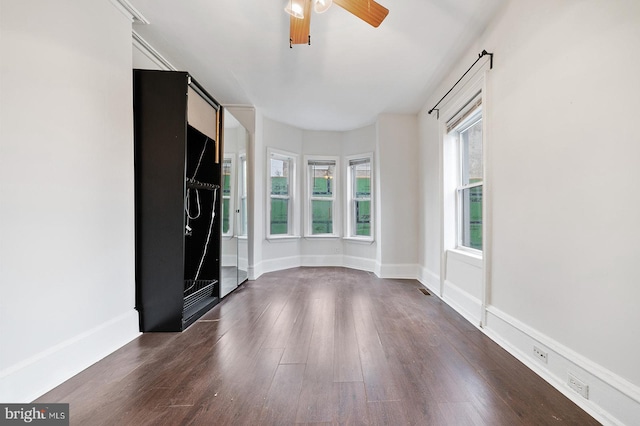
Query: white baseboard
33, 377
612, 399
278, 264
321, 260
401, 271
359, 263
408, 271
254, 272
467, 305
430, 280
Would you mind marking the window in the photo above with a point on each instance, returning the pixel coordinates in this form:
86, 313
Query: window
321, 189
242, 195
227, 189
469, 188
359, 205
281, 190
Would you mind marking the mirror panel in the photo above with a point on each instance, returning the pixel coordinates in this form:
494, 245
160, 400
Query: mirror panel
234, 201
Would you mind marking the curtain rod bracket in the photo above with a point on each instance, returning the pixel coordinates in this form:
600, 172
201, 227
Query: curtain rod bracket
480, 55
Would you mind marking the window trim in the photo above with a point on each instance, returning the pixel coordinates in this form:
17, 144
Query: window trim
292, 226
469, 115
350, 209
335, 198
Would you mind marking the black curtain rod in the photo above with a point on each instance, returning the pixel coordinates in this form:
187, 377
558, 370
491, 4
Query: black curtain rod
480, 55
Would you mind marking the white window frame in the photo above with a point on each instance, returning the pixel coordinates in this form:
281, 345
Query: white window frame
293, 213
350, 214
334, 196
474, 116
232, 159
463, 107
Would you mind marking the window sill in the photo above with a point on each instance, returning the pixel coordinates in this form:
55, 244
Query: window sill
275, 239
242, 237
322, 237
367, 241
472, 258
228, 237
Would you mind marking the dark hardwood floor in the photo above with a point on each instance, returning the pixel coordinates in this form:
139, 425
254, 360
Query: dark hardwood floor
317, 346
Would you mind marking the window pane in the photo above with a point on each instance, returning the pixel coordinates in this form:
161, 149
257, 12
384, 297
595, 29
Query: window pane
279, 216
362, 173
225, 215
279, 177
321, 217
471, 153
226, 177
363, 218
322, 180
471, 226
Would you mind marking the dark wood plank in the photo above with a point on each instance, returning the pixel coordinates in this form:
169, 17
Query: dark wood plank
296, 349
315, 403
350, 404
377, 374
347, 366
281, 401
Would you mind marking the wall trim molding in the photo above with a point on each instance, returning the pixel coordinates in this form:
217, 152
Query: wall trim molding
130, 12
143, 46
278, 264
612, 399
467, 305
33, 377
359, 263
321, 260
398, 270
429, 279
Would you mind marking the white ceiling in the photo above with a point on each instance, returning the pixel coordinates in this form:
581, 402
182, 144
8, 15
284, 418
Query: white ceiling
239, 51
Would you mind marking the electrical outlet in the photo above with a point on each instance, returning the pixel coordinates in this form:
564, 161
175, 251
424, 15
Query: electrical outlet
540, 354
579, 386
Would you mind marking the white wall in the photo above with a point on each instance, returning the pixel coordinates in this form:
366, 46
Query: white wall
397, 203
562, 157
66, 185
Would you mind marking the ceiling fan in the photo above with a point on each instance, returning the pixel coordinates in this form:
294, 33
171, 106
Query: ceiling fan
300, 10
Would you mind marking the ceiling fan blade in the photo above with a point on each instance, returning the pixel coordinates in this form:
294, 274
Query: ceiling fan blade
367, 10
299, 27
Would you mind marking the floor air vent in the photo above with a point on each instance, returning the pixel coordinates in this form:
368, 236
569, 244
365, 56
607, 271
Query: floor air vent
424, 291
